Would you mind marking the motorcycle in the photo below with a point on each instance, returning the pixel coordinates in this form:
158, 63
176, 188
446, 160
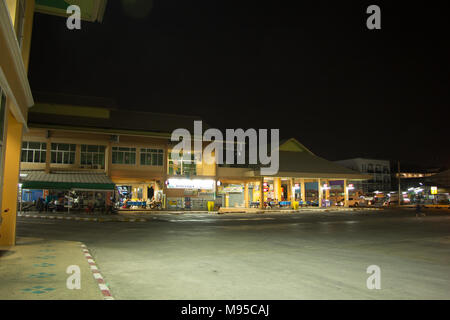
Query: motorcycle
155, 204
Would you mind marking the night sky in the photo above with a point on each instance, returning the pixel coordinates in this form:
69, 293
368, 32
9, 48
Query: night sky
310, 68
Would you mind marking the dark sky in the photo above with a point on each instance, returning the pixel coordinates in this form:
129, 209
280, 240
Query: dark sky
310, 68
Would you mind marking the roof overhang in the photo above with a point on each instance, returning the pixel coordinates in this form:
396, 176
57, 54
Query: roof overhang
13, 76
66, 181
311, 175
91, 10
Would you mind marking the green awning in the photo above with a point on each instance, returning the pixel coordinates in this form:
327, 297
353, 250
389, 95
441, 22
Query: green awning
66, 180
66, 185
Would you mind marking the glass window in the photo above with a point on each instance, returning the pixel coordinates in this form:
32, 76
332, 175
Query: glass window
63, 153
151, 157
123, 155
33, 152
92, 155
185, 166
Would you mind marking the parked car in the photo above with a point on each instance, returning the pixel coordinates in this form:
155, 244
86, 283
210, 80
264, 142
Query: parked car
353, 202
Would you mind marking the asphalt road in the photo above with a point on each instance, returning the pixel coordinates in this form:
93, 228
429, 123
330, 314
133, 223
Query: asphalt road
278, 256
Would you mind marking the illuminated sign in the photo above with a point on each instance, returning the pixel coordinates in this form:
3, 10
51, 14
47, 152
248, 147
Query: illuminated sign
351, 186
433, 190
190, 184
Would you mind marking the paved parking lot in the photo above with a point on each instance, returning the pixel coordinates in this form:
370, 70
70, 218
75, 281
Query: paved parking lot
266, 256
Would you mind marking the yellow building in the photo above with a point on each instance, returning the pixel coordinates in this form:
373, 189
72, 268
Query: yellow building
16, 24
71, 140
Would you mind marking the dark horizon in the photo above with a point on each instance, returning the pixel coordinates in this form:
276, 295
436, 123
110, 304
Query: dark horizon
312, 70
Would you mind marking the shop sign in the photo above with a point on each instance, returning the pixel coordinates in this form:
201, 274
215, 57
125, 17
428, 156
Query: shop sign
190, 184
433, 190
233, 189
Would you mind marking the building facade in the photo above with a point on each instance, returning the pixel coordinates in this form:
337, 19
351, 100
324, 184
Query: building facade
379, 170
16, 24
132, 150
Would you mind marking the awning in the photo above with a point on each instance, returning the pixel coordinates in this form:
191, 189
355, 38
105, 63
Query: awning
65, 181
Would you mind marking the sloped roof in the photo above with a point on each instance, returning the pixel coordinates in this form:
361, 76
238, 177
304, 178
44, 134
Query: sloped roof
59, 111
307, 165
294, 145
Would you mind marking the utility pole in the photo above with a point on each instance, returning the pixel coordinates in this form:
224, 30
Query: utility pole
399, 188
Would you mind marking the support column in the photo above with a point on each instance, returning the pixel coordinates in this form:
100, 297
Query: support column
77, 155
261, 193
345, 193
320, 192
246, 203
11, 170
291, 192
108, 159
303, 190
48, 155
327, 191
277, 188
164, 186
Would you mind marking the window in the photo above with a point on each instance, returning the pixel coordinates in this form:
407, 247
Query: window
63, 153
385, 169
152, 157
185, 166
370, 168
363, 168
33, 152
123, 155
93, 155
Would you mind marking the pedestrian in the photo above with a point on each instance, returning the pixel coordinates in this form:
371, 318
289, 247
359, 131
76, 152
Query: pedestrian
419, 211
39, 205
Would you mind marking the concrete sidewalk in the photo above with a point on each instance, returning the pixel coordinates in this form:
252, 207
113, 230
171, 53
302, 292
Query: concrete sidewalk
35, 269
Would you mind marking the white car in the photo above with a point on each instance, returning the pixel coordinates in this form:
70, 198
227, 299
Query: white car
353, 202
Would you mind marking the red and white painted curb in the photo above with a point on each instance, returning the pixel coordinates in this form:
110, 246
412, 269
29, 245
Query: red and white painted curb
100, 219
97, 275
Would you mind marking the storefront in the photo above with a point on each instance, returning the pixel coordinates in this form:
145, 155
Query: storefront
62, 191
190, 194
231, 195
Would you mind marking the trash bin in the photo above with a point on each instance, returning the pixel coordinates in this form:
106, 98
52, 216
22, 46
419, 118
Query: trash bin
295, 205
210, 205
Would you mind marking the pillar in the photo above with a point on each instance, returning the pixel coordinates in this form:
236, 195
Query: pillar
327, 191
246, 200
261, 193
320, 191
78, 155
108, 159
13, 138
291, 192
345, 193
303, 190
277, 188
48, 154
165, 172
